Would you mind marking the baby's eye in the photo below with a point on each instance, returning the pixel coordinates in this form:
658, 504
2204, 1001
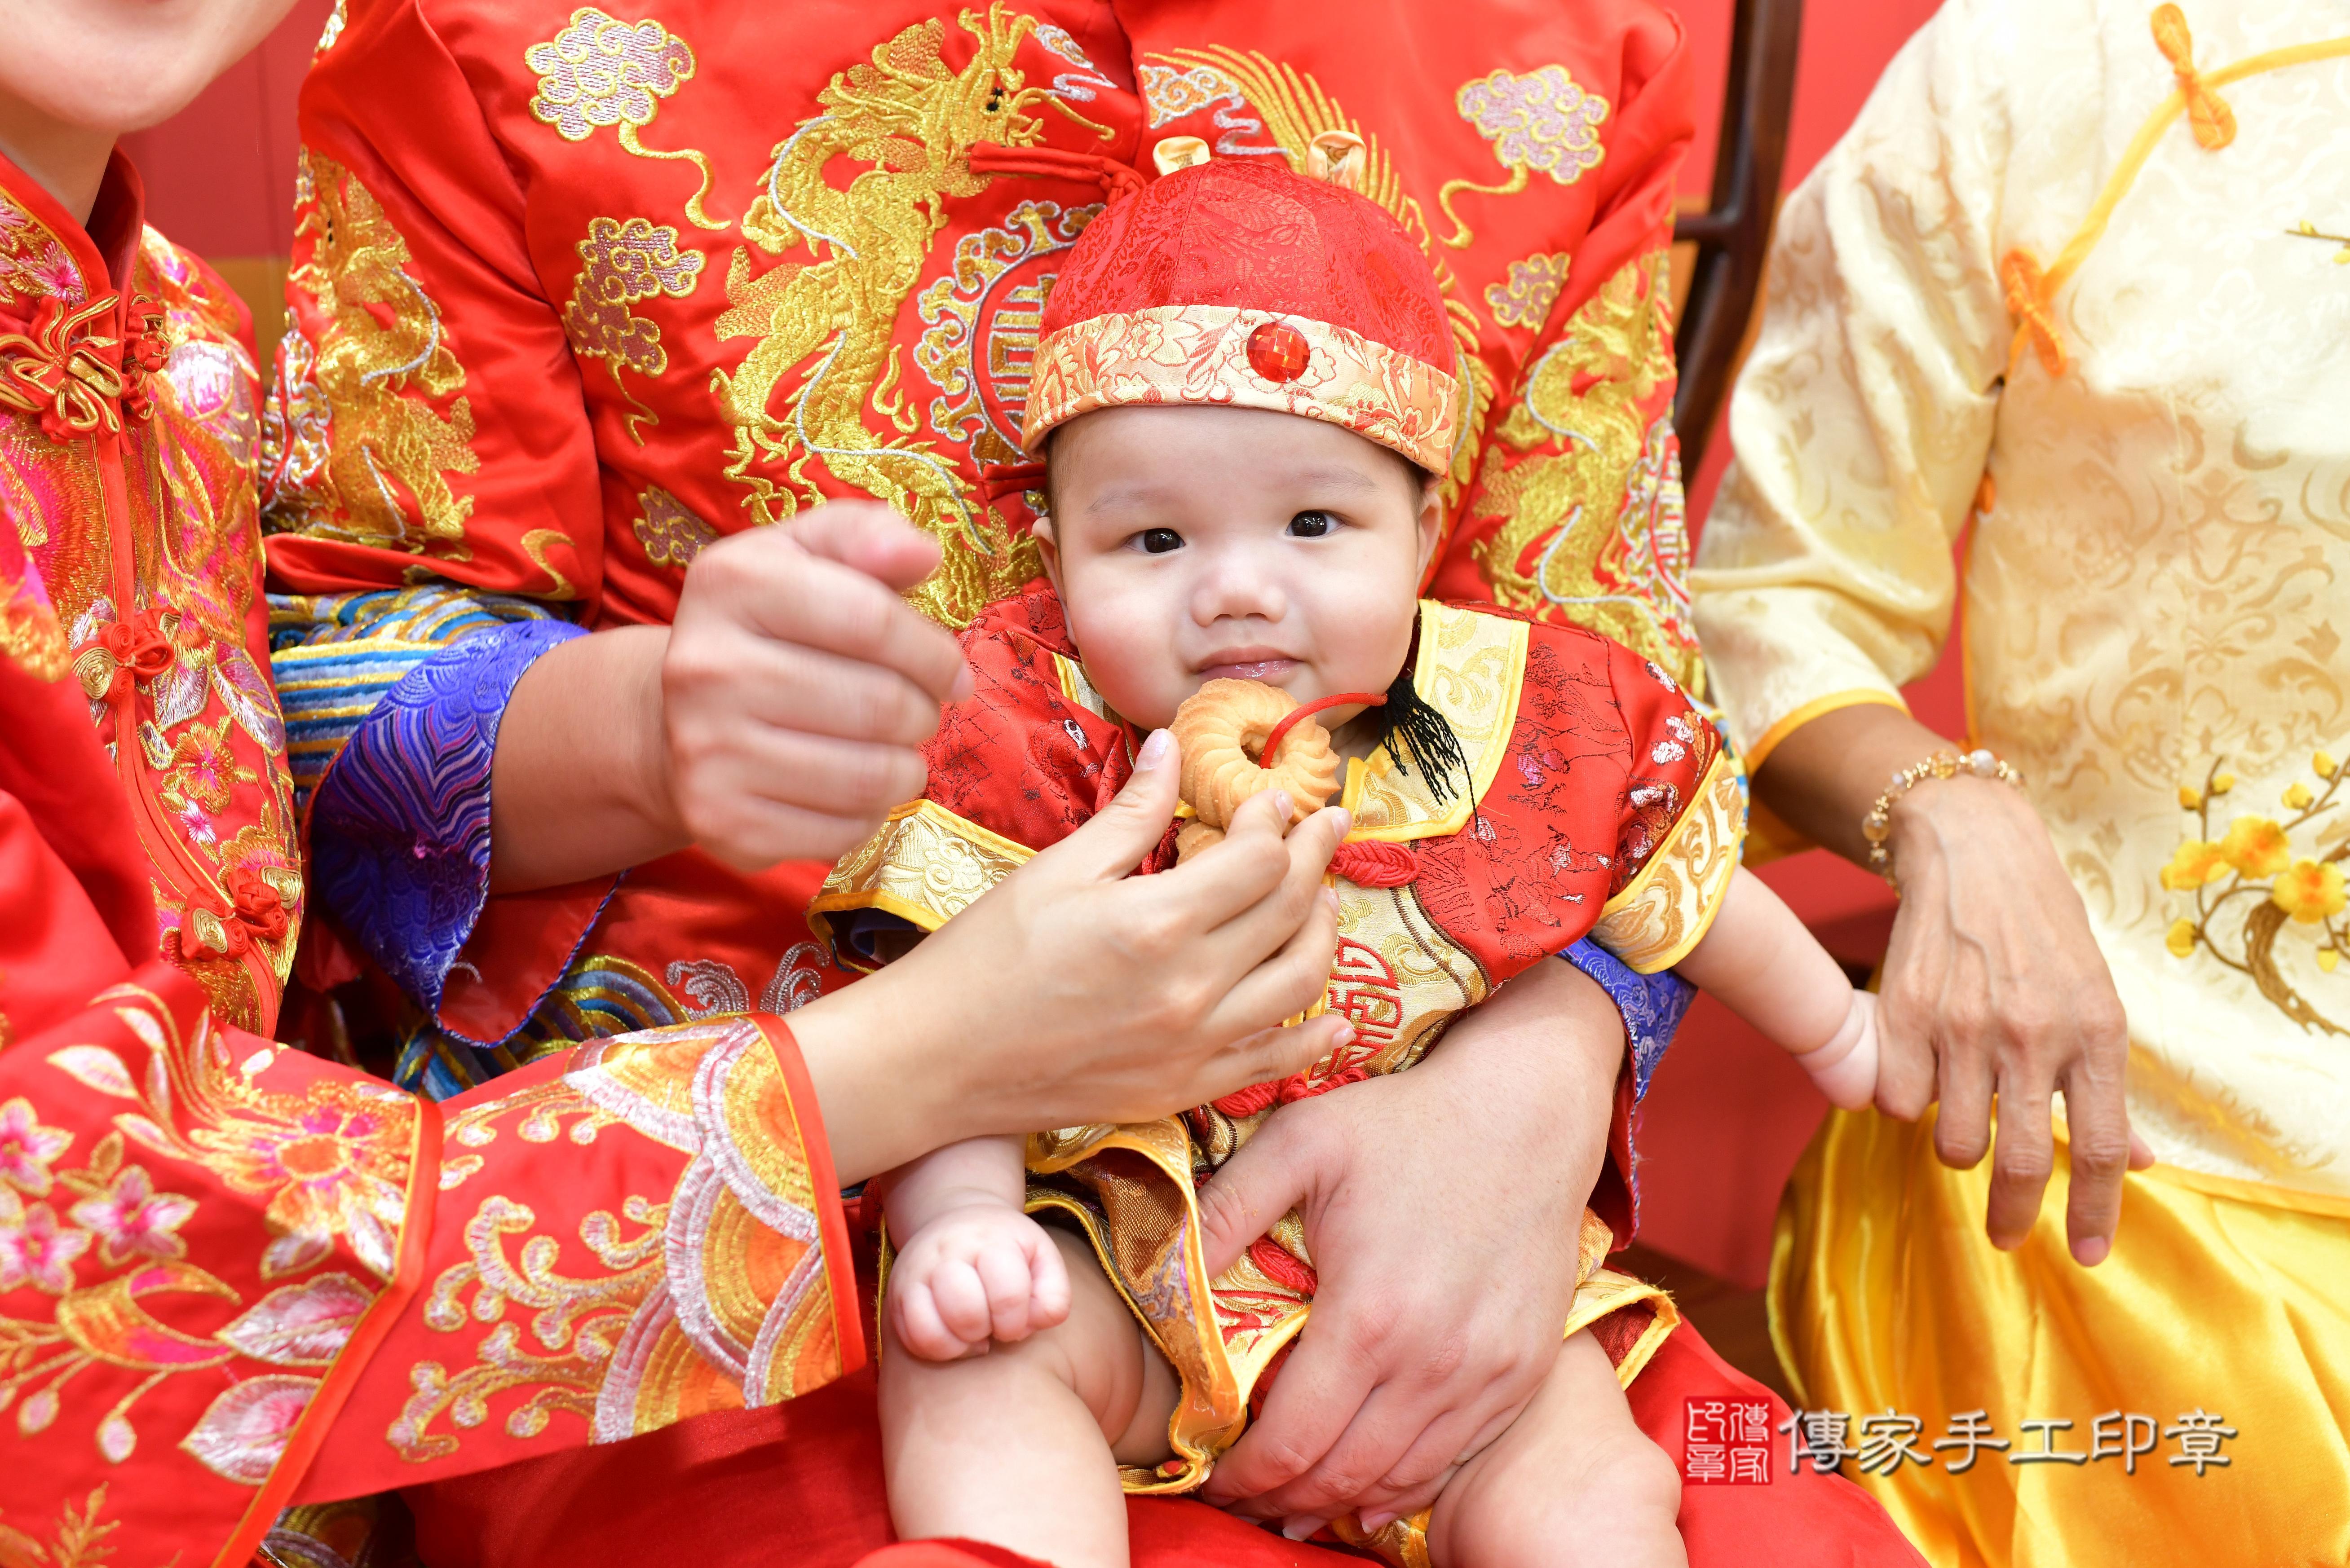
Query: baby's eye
1311, 525
1159, 541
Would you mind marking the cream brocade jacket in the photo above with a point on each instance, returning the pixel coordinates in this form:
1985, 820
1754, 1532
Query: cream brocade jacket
2160, 548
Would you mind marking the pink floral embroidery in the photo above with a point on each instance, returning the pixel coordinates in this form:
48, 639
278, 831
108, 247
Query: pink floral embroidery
132, 1219
26, 1148
34, 1247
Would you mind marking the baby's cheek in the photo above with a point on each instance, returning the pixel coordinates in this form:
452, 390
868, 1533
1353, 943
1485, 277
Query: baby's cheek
1129, 646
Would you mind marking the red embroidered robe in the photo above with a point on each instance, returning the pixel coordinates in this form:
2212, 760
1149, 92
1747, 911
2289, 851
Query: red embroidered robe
231, 1272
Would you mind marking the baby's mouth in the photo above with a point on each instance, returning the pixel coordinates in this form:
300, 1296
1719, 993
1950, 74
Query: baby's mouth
1271, 669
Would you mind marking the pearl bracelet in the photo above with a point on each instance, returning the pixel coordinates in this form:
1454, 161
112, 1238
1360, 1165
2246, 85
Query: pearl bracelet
1877, 826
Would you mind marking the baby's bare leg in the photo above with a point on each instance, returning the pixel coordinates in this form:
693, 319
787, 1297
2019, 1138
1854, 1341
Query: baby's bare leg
1020, 1447
1573, 1481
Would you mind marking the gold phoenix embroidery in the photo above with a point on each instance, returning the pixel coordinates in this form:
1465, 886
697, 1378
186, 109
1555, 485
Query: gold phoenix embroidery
823, 324
365, 362
1606, 492
601, 71
1540, 120
621, 263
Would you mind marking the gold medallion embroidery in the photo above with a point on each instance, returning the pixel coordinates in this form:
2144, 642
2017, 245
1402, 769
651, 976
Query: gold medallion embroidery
621, 263
980, 342
601, 71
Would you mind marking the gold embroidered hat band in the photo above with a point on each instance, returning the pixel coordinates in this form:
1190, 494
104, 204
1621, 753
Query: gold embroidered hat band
1238, 283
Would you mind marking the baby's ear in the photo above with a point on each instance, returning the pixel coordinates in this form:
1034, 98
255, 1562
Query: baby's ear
1430, 519
1048, 547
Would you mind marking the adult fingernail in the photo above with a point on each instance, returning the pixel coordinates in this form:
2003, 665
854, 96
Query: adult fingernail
1154, 750
965, 683
1298, 1527
1330, 898
1375, 1522
2090, 1251
1346, 820
1281, 803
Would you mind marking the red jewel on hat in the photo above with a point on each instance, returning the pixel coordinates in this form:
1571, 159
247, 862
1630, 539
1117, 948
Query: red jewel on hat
1277, 351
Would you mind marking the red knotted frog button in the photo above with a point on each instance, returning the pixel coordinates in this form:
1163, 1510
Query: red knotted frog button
1278, 352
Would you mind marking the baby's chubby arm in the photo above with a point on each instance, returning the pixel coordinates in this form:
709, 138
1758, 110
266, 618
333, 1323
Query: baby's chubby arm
1762, 965
971, 1267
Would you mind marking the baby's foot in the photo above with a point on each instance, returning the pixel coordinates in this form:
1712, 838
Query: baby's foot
974, 1274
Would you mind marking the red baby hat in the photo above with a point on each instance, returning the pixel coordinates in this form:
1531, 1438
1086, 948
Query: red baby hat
1237, 282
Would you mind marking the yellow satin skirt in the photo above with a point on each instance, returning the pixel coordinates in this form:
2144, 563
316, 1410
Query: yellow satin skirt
2224, 1304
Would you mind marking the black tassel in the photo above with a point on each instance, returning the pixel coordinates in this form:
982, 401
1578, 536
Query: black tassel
1409, 728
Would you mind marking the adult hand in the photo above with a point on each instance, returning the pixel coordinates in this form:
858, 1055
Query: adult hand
797, 688
1073, 994
780, 716
1993, 987
1442, 1208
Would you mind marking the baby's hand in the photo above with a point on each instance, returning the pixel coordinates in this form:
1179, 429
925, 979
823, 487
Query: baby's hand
974, 1274
1846, 1067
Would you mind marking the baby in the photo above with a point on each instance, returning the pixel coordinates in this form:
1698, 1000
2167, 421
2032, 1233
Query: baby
1244, 375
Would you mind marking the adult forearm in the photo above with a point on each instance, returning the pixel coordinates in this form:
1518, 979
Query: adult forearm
1821, 779
578, 787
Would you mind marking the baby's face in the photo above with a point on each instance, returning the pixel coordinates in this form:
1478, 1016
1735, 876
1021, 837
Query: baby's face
1190, 544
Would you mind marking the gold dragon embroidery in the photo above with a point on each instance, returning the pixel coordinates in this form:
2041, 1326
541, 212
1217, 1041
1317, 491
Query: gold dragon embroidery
383, 339
822, 324
1607, 492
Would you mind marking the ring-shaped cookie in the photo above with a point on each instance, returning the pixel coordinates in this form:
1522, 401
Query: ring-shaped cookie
1221, 729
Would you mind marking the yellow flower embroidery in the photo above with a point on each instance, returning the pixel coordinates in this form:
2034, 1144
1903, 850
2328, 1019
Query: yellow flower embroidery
2322, 765
2189, 797
2181, 939
2310, 891
2198, 863
2256, 846
2297, 797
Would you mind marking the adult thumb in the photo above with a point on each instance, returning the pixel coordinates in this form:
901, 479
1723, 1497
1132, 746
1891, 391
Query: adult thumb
1266, 1179
1115, 840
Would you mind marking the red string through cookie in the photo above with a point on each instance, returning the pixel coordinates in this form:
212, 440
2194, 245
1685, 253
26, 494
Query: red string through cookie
1273, 737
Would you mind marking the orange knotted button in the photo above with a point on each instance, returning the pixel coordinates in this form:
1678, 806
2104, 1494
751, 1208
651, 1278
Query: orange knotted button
1278, 352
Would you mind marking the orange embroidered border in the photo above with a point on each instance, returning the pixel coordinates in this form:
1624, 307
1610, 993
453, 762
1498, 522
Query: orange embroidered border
1198, 354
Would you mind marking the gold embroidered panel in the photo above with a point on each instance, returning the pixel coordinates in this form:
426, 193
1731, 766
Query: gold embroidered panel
1470, 668
709, 1290
926, 865
1653, 923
